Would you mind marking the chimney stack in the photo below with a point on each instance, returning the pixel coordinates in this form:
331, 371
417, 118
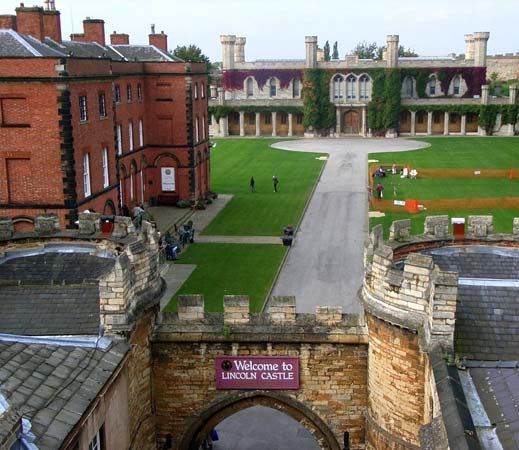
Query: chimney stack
119, 38
29, 20
8, 21
159, 40
94, 30
51, 21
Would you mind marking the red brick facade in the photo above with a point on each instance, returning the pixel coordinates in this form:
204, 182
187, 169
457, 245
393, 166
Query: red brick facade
58, 114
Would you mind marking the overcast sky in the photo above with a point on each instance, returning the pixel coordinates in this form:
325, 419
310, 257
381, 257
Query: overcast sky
276, 28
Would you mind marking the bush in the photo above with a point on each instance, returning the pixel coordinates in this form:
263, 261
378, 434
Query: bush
183, 204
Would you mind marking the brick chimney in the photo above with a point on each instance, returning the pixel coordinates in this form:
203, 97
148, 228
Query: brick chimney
159, 40
8, 21
119, 38
94, 30
52, 24
29, 20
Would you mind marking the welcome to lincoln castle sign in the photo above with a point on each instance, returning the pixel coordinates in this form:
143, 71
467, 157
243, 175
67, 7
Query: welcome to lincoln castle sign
256, 372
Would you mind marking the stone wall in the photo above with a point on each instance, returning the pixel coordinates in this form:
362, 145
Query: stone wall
506, 66
333, 368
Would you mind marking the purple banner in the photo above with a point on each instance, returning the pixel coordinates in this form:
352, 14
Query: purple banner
257, 372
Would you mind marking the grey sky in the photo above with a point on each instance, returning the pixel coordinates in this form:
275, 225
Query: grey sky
276, 28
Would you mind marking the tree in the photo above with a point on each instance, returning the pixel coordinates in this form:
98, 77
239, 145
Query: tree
335, 54
190, 53
366, 51
406, 52
327, 51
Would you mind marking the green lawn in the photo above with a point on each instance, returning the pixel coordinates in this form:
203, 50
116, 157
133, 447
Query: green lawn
263, 213
431, 188
459, 152
230, 269
466, 153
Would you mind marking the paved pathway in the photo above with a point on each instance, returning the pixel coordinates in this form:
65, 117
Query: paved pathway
324, 266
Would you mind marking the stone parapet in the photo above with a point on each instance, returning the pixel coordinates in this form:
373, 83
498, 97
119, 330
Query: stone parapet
6, 228
236, 309
479, 226
437, 226
400, 230
46, 224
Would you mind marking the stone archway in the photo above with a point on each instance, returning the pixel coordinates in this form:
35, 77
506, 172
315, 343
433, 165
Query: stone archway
235, 402
351, 122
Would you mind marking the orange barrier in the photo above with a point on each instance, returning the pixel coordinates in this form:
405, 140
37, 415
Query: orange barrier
452, 173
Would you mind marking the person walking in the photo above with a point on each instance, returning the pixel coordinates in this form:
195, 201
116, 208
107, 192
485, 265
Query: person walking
252, 184
275, 181
379, 190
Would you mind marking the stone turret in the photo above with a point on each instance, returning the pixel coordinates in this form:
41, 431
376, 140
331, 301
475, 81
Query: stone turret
469, 46
392, 50
228, 48
311, 51
239, 50
480, 48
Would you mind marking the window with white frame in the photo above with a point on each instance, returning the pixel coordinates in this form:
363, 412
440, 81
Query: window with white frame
351, 87
273, 87
117, 94
104, 155
408, 87
139, 92
141, 133
364, 87
98, 442
196, 91
337, 87
296, 88
250, 87
83, 109
86, 175
432, 85
132, 193
102, 105
202, 90
456, 83
129, 92
196, 130
203, 128
119, 139
130, 135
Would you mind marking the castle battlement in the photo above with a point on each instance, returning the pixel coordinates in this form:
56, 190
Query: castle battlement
279, 322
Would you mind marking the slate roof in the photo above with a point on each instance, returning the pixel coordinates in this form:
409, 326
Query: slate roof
147, 53
49, 294
83, 49
498, 390
53, 385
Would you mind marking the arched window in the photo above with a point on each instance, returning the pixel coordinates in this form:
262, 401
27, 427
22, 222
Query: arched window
432, 85
456, 83
338, 93
364, 87
296, 87
273, 87
250, 87
351, 87
408, 87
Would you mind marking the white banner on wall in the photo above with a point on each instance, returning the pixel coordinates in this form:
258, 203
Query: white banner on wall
168, 178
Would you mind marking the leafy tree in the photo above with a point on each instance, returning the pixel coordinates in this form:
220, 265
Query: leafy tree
365, 50
327, 51
406, 52
190, 53
335, 54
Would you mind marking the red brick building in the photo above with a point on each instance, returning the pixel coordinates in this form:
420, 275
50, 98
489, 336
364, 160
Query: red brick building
87, 125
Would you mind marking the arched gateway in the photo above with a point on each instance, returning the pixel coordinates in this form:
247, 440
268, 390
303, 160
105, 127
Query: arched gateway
239, 401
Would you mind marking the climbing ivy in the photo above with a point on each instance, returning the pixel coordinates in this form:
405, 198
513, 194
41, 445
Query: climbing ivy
384, 107
319, 112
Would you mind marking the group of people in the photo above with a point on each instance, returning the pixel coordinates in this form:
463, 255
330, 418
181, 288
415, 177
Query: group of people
174, 242
252, 183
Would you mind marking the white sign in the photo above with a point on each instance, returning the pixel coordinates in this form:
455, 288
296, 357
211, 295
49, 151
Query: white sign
457, 220
399, 202
168, 178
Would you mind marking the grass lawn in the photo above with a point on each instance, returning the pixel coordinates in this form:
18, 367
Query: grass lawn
503, 219
263, 213
230, 269
459, 152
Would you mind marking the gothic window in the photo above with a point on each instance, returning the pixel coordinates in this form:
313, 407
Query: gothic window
456, 82
338, 87
351, 87
408, 87
296, 87
250, 87
364, 87
432, 85
273, 87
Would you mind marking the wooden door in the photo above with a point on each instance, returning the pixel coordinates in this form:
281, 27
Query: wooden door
351, 122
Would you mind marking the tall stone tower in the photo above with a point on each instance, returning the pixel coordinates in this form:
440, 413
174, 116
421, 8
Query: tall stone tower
228, 48
480, 48
469, 46
392, 50
311, 51
239, 50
